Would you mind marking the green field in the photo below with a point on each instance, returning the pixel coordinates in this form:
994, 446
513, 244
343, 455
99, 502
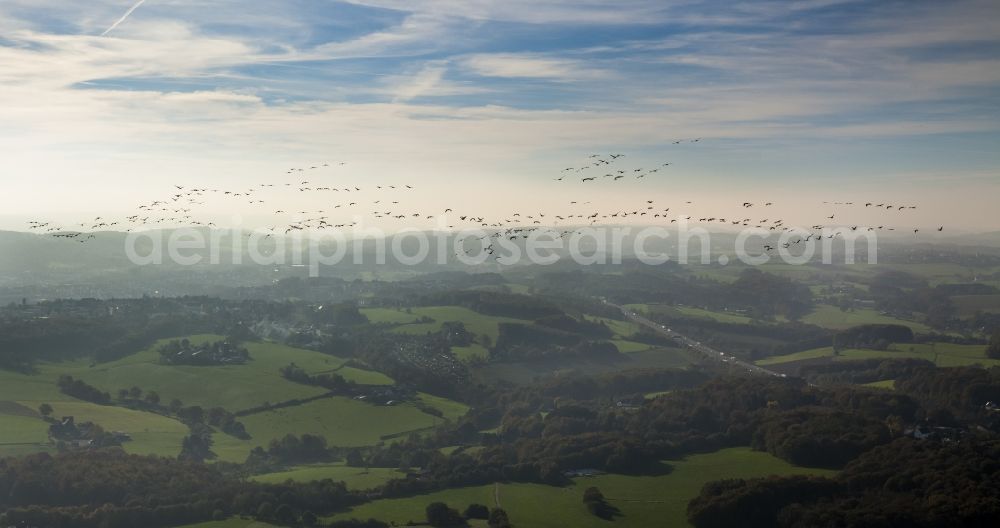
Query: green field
527, 372
939, 272
233, 387
479, 324
621, 329
22, 430
722, 317
797, 356
152, 434
628, 347
476, 323
884, 384
342, 421
356, 478
942, 354
231, 523
644, 501
687, 311
968, 305
17, 386
835, 319
468, 450
451, 409
22, 434
466, 353
388, 316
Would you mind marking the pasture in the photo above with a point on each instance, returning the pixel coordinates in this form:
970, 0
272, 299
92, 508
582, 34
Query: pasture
941, 354
356, 478
152, 434
235, 522
233, 387
690, 312
388, 316
622, 330
476, 323
526, 372
883, 384
22, 429
629, 347
834, 318
643, 501
968, 305
342, 421
20, 434
473, 351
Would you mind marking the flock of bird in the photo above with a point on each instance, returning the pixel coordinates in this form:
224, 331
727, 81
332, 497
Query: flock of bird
180, 207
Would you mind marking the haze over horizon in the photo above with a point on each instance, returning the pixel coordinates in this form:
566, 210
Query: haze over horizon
479, 106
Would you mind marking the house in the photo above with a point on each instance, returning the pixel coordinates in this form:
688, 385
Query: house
586, 472
630, 403
927, 432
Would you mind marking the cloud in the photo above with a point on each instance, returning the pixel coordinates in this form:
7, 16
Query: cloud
417, 34
479, 90
429, 81
529, 66
538, 11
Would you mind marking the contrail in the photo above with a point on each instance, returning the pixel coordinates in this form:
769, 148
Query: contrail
122, 19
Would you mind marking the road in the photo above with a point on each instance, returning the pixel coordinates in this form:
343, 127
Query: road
697, 346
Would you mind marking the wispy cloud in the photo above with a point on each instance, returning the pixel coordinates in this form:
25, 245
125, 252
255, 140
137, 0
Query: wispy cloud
476, 88
417, 34
530, 66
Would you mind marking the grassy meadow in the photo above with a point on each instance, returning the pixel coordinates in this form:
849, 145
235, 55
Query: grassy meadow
834, 318
356, 478
643, 501
883, 384
476, 323
342, 421
941, 354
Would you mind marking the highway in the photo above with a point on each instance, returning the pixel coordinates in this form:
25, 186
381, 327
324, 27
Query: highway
697, 346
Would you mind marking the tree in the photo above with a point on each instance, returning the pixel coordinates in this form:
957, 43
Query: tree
993, 350
45, 410
309, 519
176, 405
594, 500
354, 458
440, 515
215, 415
477, 511
592, 494
265, 511
135, 393
499, 519
193, 414
153, 398
284, 514
197, 446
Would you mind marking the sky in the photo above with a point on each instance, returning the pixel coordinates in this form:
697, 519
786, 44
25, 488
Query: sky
480, 105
